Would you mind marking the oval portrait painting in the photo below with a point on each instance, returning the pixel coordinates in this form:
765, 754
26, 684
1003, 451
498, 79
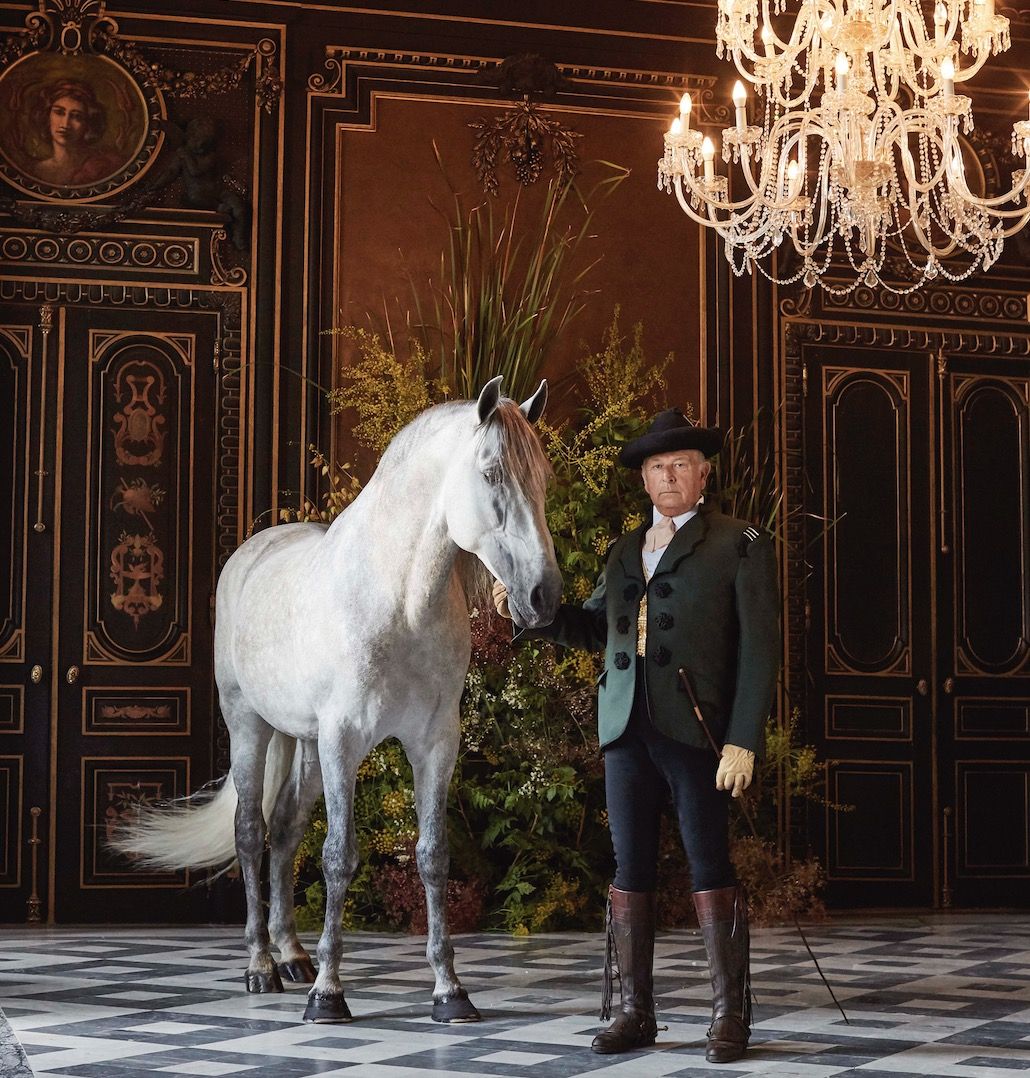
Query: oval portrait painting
75, 128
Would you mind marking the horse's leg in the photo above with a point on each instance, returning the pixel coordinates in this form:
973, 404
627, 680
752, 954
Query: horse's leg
432, 763
340, 752
249, 738
285, 830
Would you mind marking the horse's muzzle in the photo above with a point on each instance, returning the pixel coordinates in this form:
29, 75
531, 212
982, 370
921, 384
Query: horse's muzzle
541, 605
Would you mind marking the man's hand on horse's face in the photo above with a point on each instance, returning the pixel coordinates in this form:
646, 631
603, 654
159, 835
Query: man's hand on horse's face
500, 594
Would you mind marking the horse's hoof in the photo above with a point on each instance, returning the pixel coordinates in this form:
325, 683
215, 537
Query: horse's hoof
327, 1009
298, 970
263, 982
455, 1007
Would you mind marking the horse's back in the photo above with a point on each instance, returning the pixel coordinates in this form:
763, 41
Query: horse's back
256, 594
260, 554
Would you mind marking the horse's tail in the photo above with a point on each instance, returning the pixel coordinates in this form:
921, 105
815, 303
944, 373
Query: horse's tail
199, 831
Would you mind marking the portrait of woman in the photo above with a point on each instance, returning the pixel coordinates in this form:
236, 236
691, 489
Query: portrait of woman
74, 127
70, 117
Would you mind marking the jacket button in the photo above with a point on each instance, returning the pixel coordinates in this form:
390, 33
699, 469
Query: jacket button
663, 590
662, 656
622, 661
629, 593
622, 625
665, 620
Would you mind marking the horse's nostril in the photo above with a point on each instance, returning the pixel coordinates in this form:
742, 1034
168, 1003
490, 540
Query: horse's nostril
537, 597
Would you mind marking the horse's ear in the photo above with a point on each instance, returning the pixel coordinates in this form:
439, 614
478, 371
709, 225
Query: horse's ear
488, 398
533, 408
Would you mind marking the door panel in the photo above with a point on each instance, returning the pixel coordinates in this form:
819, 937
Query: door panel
25, 612
983, 714
918, 641
867, 442
109, 427
136, 572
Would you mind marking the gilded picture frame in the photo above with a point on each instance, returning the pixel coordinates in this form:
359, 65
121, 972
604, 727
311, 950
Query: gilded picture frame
76, 128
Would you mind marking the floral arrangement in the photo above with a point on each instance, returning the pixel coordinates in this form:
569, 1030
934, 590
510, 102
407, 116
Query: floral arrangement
530, 849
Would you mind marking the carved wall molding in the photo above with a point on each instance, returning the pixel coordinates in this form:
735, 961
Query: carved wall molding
24, 248
909, 338
952, 301
701, 87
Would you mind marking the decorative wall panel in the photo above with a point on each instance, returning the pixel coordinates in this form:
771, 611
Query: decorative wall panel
985, 717
873, 839
993, 818
113, 790
11, 794
869, 717
141, 440
866, 495
133, 711
992, 471
15, 349
12, 709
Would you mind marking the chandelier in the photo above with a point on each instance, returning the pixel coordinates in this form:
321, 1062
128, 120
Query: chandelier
857, 149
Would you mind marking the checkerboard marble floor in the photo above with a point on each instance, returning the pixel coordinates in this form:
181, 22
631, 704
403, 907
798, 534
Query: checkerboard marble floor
942, 996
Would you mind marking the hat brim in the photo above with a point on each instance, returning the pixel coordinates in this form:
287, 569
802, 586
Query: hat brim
706, 439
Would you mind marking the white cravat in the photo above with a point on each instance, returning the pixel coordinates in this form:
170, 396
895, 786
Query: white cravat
651, 558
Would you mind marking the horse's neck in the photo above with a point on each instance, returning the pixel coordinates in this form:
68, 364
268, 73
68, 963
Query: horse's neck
399, 523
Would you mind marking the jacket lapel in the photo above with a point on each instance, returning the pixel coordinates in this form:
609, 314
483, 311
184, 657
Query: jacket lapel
629, 555
684, 542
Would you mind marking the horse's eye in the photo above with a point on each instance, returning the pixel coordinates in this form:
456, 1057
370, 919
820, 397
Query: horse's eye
493, 476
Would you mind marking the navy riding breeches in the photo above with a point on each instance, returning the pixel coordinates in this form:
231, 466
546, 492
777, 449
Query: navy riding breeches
643, 768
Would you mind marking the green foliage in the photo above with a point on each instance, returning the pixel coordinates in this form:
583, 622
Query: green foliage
530, 849
506, 291
384, 391
744, 479
526, 810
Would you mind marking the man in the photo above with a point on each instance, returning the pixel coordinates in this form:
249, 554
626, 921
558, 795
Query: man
696, 591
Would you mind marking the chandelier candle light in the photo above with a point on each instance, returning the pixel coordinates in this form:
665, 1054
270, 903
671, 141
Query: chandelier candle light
858, 149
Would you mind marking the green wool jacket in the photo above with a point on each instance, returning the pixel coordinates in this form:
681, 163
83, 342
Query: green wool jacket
712, 609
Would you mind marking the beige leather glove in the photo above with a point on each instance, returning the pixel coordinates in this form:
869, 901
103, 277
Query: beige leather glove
500, 594
736, 768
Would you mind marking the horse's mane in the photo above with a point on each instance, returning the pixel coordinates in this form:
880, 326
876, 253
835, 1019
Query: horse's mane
523, 459
514, 441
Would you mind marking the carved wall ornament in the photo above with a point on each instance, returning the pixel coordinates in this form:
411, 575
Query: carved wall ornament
108, 250
137, 498
135, 712
137, 570
124, 801
139, 434
522, 134
82, 113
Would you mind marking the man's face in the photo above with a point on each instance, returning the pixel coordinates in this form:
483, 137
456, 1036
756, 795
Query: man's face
675, 480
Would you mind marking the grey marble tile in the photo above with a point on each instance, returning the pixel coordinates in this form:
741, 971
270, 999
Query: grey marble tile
941, 997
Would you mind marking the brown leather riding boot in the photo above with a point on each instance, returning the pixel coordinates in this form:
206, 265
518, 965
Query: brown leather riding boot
631, 925
722, 915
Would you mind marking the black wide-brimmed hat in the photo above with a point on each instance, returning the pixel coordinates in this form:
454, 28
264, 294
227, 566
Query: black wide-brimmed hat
671, 430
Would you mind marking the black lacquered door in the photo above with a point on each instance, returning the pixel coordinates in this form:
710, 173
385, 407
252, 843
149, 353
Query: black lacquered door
28, 379
983, 712
869, 708
110, 437
136, 540
918, 644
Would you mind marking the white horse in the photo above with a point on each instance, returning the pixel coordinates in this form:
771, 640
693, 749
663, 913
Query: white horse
328, 640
